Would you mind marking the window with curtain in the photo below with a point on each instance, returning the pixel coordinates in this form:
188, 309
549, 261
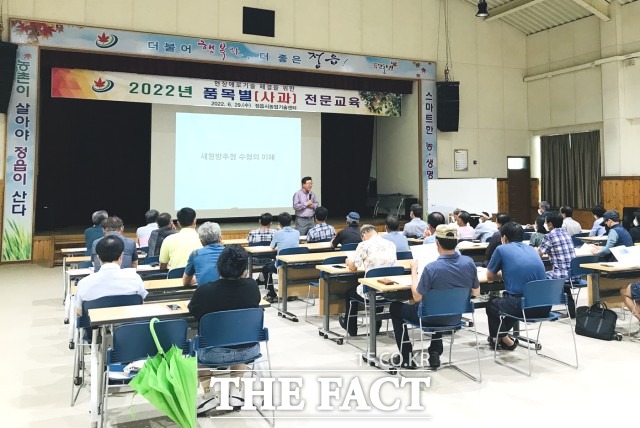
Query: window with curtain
571, 169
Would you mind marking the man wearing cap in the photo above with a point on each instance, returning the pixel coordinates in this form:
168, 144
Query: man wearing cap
415, 228
486, 228
372, 252
517, 264
449, 270
305, 204
618, 235
351, 233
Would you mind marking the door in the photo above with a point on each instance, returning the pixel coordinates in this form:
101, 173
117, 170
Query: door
519, 182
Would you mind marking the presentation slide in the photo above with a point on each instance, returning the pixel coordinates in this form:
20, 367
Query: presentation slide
231, 163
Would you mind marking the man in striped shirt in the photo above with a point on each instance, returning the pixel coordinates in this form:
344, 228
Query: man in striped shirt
264, 233
321, 232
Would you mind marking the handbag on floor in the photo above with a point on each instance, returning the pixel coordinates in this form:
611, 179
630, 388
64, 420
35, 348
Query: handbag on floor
596, 321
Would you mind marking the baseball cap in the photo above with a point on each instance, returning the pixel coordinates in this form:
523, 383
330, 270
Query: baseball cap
353, 216
447, 231
610, 215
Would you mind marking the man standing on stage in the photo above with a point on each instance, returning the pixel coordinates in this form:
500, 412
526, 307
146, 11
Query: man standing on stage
305, 204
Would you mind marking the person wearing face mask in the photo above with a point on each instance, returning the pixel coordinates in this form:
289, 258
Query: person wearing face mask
542, 208
486, 228
541, 231
635, 230
597, 229
618, 235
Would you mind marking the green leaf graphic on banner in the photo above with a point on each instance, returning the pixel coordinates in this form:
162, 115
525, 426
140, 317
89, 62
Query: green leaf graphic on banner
16, 243
382, 102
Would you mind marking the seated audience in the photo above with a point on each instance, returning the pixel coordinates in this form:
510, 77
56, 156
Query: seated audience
233, 290
635, 230
415, 228
558, 245
450, 270
453, 217
144, 232
165, 228
543, 207
285, 237
392, 225
617, 235
322, 231
94, 232
110, 280
202, 264
176, 248
264, 232
465, 231
496, 239
113, 226
351, 233
434, 219
569, 224
372, 252
516, 264
597, 229
485, 228
540, 231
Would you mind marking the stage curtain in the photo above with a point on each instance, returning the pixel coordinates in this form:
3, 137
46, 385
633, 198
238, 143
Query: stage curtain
347, 144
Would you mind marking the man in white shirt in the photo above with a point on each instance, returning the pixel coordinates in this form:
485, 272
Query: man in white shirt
110, 280
569, 224
144, 232
486, 228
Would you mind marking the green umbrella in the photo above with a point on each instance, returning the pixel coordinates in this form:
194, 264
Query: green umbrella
169, 381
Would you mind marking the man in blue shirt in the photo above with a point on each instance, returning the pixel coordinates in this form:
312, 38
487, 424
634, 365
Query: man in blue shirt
618, 235
202, 266
516, 264
415, 228
450, 270
392, 225
286, 237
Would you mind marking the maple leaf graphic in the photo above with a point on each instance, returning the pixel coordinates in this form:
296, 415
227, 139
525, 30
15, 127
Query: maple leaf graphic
99, 83
103, 38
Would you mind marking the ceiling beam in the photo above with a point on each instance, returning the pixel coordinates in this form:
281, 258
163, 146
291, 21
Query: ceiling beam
509, 8
599, 8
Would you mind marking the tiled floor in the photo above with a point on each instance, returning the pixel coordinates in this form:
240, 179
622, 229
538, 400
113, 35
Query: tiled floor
37, 375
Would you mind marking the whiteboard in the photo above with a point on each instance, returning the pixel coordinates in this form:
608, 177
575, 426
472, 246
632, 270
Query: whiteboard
473, 195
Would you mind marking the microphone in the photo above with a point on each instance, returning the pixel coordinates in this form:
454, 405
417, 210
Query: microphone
309, 196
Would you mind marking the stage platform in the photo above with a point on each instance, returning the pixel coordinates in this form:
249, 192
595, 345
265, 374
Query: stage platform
47, 246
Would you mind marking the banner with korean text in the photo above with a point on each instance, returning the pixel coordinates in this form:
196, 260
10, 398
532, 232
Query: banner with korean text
428, 136
17, 227
130, 87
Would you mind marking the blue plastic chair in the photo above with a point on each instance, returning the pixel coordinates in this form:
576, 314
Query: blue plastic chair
348, 247
175, 273
380, 302
404, 255
578, 242
150, 260
84, 322
441, 303
233, 328
546, 292
577, 274
143, 250
316, 284
133, 342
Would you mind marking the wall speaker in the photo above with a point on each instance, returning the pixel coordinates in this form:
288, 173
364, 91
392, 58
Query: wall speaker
448, 106
260, 22
7, 73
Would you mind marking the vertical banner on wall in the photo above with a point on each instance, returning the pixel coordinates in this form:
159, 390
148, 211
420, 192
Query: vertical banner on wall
428, 136
17, 228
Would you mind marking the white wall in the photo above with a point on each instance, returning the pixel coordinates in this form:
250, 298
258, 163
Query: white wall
488, 58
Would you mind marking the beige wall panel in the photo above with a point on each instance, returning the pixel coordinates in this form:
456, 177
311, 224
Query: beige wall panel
467, 74
463, 27
66, 11
377, 36
158, 16
345, 25
612, 156
489, 44
514, 48
490, 97
492, 161
199, 18
538, 104
430, 28
120, 13
588, 95
20, 8
407, 29
563, 108
229, 21
538, 50
515, 99
561, 47
630, 23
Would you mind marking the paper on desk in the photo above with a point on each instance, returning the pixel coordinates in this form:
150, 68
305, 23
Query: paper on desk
585, 250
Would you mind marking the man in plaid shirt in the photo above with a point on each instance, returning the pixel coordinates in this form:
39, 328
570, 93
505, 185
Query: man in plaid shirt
321, 232
264, 233
558, 245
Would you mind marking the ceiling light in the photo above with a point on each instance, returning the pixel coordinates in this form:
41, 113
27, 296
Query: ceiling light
482, 9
